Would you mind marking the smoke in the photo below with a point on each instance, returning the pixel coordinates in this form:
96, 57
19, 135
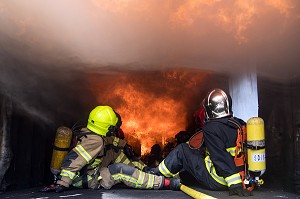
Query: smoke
203, 34
47, 45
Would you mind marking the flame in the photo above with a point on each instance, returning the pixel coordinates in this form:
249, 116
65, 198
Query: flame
153, 105
147, 117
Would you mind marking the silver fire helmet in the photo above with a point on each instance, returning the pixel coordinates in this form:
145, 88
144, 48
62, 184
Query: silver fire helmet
217, 104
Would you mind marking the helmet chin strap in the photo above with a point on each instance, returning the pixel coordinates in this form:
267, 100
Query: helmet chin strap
112, 131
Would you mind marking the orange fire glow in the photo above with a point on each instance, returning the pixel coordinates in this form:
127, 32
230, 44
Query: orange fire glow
151, 111
148, 118
235, 17
152, 118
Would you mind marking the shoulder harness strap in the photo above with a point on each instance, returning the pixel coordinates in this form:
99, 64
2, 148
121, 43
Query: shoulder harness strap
80, 134
240, 157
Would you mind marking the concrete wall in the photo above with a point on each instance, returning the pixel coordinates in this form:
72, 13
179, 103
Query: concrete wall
243, 90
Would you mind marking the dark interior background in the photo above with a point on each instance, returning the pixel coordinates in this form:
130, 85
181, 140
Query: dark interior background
277, 106
32, 136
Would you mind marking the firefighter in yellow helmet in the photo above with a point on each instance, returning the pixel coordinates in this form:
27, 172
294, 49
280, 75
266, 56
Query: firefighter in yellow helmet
83, 166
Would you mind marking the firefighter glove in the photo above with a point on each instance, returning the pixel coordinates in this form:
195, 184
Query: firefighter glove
54, 188
146, 169
128, 151
238, 190
175, 184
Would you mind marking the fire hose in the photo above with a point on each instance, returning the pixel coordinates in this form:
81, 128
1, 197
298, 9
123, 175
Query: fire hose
193, 193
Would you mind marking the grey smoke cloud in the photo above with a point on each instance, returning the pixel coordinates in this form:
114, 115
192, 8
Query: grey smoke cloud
42, 42
212, 35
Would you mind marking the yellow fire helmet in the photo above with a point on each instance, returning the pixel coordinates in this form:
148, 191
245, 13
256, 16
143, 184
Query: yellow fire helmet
101, 119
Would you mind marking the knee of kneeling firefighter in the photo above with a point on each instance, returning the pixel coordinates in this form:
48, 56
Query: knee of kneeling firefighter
121, 168
105, 179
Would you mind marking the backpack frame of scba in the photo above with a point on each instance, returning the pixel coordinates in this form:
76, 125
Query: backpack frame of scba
250, 149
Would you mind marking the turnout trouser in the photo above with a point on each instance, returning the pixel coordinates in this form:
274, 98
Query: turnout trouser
130, 176
89, 178
183, 157
118, 156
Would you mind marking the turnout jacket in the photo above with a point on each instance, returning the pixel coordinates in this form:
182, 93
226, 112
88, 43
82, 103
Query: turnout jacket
220, 140
87, 154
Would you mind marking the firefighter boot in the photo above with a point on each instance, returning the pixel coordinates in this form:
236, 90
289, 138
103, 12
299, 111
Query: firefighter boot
54, 188
172, 183
49, 188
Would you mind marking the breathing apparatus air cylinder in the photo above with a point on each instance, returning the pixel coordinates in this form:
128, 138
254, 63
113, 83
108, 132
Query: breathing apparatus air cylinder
256, 146
61, 147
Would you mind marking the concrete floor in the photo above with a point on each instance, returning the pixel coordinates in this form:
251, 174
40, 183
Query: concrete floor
127, 193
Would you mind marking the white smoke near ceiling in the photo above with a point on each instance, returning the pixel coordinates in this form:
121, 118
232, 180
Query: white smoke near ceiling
46, 41
208, 34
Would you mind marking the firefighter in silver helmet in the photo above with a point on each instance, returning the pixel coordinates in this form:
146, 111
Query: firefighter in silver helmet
216, 170
88, 166
217, 104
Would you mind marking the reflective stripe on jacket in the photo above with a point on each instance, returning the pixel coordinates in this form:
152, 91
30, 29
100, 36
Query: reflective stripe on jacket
220, 141
88, 148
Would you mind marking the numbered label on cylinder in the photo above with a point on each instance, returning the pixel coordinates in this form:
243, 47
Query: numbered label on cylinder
259, 157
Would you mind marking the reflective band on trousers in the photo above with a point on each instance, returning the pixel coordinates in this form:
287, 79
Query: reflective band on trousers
83, 153
79, 183
150, 181
137, 182
68, 174
140, 180
120, 176
164, 170
212, 171
233, 179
